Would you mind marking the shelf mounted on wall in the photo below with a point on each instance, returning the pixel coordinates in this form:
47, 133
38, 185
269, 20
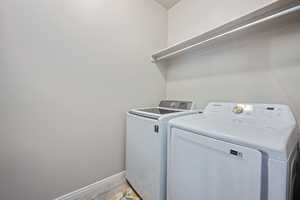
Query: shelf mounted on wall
267, 13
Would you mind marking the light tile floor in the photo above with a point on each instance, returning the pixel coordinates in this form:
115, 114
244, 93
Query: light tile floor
120, 191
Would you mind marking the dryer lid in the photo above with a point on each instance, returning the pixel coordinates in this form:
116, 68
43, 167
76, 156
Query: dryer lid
267, 127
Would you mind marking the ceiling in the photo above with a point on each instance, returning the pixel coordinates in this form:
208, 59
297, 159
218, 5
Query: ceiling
167, 3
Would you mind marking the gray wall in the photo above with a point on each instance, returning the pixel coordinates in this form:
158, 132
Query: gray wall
190, 18
261, 65
69, 70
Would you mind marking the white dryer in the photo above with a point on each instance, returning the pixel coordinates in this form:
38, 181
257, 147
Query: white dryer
146, 149
233, 152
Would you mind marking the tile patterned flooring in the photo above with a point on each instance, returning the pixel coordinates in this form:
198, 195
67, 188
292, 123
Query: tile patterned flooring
120, 191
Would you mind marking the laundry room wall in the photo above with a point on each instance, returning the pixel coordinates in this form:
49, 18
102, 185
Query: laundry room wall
69, 71
190, 18
260, 65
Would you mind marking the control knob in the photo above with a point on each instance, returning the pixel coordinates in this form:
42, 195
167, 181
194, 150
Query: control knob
238, 109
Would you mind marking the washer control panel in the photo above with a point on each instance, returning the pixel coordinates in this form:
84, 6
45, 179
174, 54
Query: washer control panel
182, 105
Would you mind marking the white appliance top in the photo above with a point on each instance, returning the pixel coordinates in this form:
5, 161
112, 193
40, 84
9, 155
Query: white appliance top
266, 127
166, 107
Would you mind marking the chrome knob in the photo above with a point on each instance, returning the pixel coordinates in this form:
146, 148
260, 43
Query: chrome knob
238, 109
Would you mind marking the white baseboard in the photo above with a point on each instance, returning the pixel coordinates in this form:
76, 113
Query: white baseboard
99, 187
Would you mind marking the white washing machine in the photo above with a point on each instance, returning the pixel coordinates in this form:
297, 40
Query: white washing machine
233, 152
146, 147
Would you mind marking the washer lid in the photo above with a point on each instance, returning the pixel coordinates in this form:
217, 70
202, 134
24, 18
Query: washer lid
159, 111
165, 107
269, 128
154, 113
